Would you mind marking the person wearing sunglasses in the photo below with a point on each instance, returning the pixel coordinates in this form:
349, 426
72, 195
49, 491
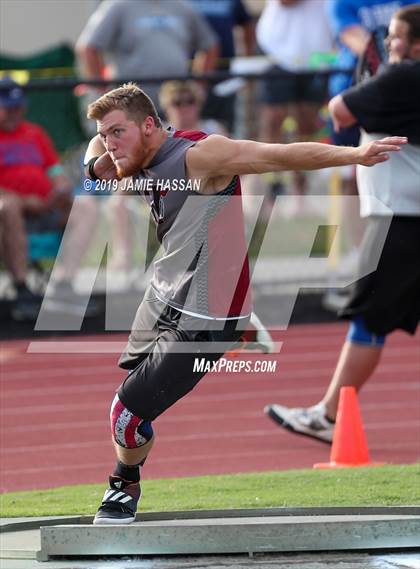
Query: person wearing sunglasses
182, 102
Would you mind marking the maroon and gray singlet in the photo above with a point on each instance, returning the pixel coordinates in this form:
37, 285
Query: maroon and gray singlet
204, 267
199, 291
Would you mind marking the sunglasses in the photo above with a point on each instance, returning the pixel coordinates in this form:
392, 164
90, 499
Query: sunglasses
183, 102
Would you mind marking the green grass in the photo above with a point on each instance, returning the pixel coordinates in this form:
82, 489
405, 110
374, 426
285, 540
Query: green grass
379, 486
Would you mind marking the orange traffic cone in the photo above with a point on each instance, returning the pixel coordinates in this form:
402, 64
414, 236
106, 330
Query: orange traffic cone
349, 447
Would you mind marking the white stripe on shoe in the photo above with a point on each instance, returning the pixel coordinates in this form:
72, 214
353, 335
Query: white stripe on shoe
116, 497
126, 499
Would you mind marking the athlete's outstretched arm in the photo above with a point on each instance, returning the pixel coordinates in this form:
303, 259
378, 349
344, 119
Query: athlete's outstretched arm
218, 156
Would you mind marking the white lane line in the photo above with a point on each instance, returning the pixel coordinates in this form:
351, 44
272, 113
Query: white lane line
275, 393
241, 434
186, 459
52, 371
312, 372
185, 418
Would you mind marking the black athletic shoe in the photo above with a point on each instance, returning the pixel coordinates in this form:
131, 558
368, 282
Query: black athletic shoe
119, 504
26, 306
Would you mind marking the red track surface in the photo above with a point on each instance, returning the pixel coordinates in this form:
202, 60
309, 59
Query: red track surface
54, 426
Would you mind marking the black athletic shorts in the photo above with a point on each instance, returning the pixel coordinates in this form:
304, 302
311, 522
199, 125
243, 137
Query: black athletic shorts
293, 88
389, 297
162, 348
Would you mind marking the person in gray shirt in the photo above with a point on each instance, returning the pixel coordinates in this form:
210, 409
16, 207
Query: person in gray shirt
146, 38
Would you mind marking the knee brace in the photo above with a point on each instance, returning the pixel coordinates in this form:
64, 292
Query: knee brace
128, 430
359, 334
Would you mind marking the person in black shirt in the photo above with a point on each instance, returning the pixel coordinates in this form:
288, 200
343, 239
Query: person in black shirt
386, 298
388, 102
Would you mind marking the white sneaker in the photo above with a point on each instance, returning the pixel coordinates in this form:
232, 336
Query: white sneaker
255, 337
311, 422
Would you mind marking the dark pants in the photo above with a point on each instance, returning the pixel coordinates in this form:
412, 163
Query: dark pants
161, 351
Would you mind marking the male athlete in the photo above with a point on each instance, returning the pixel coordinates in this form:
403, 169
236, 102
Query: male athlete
198, 300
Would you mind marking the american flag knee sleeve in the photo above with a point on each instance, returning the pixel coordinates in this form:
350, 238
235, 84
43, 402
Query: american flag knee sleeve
128, 430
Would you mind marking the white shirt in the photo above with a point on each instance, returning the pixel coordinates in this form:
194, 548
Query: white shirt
392, 187
291, 34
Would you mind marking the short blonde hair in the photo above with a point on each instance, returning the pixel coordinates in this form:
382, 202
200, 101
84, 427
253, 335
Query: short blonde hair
135, 103
171, 89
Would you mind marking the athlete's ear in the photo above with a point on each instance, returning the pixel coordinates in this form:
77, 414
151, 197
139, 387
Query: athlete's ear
148, 125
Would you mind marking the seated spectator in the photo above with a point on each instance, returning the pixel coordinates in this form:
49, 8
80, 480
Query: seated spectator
182, 102
32, 187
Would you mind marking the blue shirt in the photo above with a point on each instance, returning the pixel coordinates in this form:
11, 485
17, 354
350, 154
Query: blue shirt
371, 14
223, 16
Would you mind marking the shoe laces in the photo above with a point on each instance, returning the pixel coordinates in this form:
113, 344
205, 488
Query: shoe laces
115, 507
315, 417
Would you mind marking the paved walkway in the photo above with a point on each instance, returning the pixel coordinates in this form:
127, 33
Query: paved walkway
18, 551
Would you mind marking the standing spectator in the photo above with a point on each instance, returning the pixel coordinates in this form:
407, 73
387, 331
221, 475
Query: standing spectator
387, 298
226, 17
147, 38
352, 23
290, 32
